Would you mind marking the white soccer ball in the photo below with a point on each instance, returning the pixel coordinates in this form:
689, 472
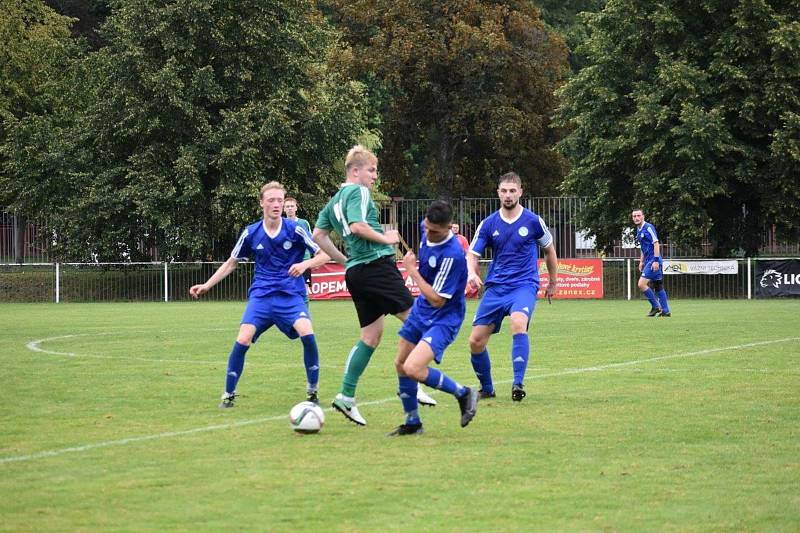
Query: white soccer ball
306, 417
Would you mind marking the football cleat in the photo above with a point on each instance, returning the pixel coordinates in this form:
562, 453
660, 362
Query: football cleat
666, 314
654, 311
407, 429
348, 409
227, 400
424, 399
468, 405
517, 393
311, 396
483, 394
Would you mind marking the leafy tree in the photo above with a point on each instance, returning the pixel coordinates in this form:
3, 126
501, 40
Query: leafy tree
565, 17
465, 89
690, 111
188, 110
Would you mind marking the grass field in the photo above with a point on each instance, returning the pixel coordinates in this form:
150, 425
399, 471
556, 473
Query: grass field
110, 422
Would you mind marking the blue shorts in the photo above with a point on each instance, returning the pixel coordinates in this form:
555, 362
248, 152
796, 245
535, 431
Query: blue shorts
495, 307
280, 310
439, 337
653, 275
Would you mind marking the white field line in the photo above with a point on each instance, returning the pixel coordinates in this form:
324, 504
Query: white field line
35, 346
170, 434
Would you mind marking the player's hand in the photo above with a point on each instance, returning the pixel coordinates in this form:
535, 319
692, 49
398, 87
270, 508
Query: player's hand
297, 269
655, 266
410, 261
475, 281
552, 288
197, 291
392, 236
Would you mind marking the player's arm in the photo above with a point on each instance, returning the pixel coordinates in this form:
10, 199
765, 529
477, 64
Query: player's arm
318, 260
473, 270
641, 262
323, 238
364, 231
657, 253
551, 260
222, 272
425, 288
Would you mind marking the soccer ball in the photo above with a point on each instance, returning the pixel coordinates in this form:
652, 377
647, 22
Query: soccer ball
306, 417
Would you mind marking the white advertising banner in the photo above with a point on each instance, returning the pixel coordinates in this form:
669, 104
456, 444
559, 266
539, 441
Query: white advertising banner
701, 267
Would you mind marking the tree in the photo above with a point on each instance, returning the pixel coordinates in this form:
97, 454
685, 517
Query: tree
179, 120
688, 110
465, 89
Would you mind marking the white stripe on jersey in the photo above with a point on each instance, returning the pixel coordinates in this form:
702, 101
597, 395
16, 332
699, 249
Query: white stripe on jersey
475, 237
652, 234
545, 240
306, 238
338, 212
364, 203
238, 247
441, 276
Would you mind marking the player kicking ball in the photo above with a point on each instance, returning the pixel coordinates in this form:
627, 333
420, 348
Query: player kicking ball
435, 319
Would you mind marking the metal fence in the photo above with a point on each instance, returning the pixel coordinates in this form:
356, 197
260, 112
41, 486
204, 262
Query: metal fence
152, 282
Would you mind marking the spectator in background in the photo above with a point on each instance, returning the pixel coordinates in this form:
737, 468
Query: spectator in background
290, 210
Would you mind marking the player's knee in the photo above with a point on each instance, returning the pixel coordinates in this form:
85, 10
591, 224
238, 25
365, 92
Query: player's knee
414, 371
372, 339
476, 344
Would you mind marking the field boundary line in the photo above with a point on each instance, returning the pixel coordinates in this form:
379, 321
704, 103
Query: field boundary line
242, 423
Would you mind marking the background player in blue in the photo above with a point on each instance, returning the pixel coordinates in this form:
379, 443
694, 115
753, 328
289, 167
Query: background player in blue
515, 235
276, 294
650, 265
435, 318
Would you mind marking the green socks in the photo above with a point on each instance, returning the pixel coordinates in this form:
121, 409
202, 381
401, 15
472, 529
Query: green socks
356, 363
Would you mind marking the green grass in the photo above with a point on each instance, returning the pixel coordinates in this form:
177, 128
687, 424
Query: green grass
686, 424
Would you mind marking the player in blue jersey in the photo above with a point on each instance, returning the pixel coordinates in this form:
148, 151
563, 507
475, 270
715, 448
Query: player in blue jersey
651, 265
515, 234
276, 245
435, 318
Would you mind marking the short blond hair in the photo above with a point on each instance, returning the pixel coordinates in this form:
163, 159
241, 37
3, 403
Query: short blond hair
359, 156
271, 185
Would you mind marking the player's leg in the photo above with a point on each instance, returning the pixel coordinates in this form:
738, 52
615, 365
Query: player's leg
407, 387
417, 366
644, 286
658, 287
236, 363
523, 306
488, 319
305, 330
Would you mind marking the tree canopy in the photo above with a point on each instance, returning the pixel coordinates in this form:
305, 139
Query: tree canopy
464, 89
690, 111
172, 128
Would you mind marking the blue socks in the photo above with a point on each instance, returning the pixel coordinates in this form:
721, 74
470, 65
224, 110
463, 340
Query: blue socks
311, 361
235, 366
520, 351
483, 370
439, 380
662, 297
408, 395
651, 297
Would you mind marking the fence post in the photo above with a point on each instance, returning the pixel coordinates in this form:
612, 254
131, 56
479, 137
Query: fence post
58, 283
749, 281
628, 277
166, 283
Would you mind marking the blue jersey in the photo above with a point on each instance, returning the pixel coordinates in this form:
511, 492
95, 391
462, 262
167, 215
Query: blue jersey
646, 236
516, 248
444, 266
273, 255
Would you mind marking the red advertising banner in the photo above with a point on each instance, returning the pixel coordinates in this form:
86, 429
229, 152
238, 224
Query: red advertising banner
577, 278
327, 283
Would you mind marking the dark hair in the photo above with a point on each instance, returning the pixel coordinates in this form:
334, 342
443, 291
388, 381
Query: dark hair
439, 213
512, 177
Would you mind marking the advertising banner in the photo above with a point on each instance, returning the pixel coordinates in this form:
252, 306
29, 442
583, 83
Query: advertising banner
327, 283
777, 278
577, 278
701, 267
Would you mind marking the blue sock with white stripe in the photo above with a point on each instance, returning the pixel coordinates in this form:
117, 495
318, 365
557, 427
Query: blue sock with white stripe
408, 395
311, 361
651, 297
439, 380
235, 366
662, 297
520, 351
482, 366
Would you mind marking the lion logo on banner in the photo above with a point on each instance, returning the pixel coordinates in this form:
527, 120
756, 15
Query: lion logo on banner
771, 277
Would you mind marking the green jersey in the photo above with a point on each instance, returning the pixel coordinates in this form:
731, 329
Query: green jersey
353, 203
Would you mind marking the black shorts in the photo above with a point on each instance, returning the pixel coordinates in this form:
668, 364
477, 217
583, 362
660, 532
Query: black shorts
377, 289
307, 277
